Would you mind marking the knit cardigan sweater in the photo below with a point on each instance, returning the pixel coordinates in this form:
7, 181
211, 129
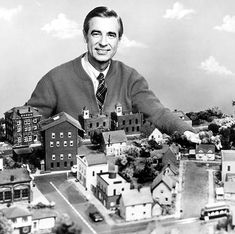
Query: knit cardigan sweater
68, 88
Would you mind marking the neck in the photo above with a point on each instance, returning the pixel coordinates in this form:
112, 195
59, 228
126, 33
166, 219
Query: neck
98, 65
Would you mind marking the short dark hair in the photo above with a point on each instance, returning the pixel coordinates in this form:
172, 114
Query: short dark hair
102, 11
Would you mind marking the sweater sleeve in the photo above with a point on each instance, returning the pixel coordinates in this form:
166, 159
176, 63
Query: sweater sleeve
44, 97
145, 101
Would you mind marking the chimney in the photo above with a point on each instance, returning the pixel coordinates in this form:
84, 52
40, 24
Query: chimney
12, 178
112, 175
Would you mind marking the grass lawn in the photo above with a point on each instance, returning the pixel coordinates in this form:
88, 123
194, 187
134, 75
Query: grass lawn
195, 189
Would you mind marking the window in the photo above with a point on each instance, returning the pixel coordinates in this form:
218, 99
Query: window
57, 143
8, 195
93, 173
35, 121
114, 192
65, 164
35, 127
228, 169
65, 143
52, 165
34, 225
133, 129
26, 139
97, 124
129, 121
16, 194
58, 164
90, 125
61, 134
53, 135
161, 191
122, 189
166, 198
69, 156
51, 144
71, 143
69, 134
104, 124
19, 139
30, 138
25, 193
127, 129
53, 157
25, 219
1, 196
136, 121
123, 122
61, 156
71, 163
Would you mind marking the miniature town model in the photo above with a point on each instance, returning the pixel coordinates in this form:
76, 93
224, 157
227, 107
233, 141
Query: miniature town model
126, 177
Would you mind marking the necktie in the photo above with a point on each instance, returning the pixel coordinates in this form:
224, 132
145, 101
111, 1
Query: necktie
101, 90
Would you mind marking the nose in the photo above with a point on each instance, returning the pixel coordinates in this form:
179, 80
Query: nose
103, 40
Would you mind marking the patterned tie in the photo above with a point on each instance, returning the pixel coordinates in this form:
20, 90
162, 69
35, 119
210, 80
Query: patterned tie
101, 90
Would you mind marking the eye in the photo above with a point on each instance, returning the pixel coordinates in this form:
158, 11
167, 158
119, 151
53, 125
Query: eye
95, 34
112, 35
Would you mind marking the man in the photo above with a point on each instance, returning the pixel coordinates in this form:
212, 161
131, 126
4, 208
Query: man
73, 85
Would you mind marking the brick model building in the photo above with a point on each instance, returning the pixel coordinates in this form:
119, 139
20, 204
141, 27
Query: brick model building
15, 185
91, 122
131, 123
22, 125
110, 186
61, 135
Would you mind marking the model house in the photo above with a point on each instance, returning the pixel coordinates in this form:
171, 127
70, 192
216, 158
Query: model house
15, 186
136, 204
170, 170
205, 152
169, 157
228, 165
43, 219
110, 186
163, 189
22, 125
180, 114
87, 168
156, 135
131, 123
61, 137
91, 122
20, 218
114, 142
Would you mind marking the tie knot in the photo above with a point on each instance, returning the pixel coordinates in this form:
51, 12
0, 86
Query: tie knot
100, 77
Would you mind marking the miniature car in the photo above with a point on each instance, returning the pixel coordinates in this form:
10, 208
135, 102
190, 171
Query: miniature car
96, 216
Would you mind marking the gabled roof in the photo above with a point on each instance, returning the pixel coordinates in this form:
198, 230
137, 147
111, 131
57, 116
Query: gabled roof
114, 137
60, 118
167, 180
180, 114
13, 176
15, 212
43, 213
205, 148
137, 197
172, 167
228, 155
96, 159
169, 158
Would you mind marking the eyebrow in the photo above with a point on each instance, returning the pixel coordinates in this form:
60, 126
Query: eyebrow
98, 31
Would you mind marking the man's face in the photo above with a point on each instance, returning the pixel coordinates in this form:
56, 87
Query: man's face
102, 38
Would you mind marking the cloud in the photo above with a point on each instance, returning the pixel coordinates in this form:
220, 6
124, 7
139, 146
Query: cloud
228, 24
8, 14
127, 43
210, 65
178, 12
62, 27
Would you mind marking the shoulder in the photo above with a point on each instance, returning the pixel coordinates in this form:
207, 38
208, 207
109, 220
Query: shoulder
125, 69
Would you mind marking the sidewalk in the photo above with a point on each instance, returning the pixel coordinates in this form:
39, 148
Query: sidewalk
92, 199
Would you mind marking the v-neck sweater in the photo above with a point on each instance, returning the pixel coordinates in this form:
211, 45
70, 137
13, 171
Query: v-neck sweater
68, 88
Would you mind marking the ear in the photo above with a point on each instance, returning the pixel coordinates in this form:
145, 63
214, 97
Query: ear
85, 36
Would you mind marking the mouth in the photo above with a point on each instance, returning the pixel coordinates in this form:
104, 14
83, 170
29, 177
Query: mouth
102, 51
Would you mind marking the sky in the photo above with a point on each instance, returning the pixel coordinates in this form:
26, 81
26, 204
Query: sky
185, 49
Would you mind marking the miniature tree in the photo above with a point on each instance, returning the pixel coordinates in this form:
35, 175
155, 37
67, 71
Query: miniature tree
5, 226
64, 225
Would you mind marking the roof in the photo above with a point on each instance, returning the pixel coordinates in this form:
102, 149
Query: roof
23, 150
205, 148
96, 159
181, 115
169, 158
228, 155
43, 213
229, 187
16, 112
167, 180
60, 118
172, 167
137, 197
15, 212
114, 136
20, 175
